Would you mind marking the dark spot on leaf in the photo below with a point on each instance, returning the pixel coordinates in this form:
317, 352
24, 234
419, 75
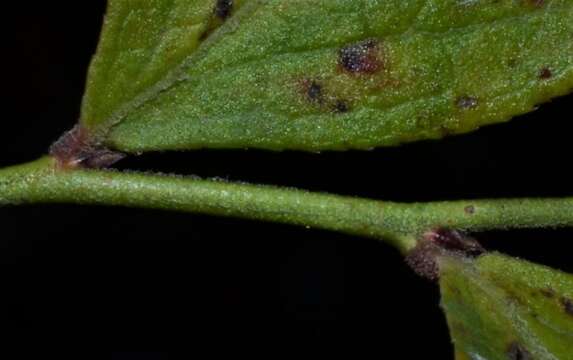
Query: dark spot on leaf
548, 292
205, 34
534, 315
314, 92
340, 107
68, 147
360, 58
470, 209
544, 73
567, 305
466, 102
223, 8
221, 11
77, 148
516, 351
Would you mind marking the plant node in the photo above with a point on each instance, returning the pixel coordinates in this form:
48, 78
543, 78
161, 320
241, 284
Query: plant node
423, 259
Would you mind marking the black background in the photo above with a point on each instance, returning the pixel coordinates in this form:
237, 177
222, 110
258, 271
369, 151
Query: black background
141, 280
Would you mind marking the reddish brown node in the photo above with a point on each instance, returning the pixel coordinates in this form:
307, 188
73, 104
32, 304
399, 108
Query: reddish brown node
102, 158
423, 259
76, 149
454, 241
70, 148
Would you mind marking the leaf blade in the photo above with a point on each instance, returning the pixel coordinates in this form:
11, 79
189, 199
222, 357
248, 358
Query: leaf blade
340, 74
503, 308
142, 47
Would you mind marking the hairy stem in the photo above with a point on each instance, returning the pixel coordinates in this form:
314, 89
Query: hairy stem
396, 223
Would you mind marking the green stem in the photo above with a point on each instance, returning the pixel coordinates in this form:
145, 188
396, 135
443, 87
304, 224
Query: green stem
396, 223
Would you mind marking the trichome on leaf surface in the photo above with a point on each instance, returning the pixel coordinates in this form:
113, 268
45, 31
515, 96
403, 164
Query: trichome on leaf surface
317, 75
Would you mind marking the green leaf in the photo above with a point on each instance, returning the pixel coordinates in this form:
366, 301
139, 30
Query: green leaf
142, 50
320, 74
503, 308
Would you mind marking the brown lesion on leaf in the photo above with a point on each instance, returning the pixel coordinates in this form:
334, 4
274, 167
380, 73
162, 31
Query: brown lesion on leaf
340, 107
466, 102
223, 9
364, 57
547, 292
205, 34
314, 92
470, 210
76, 148
423, 259
516, 351
567, 305
544, 73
